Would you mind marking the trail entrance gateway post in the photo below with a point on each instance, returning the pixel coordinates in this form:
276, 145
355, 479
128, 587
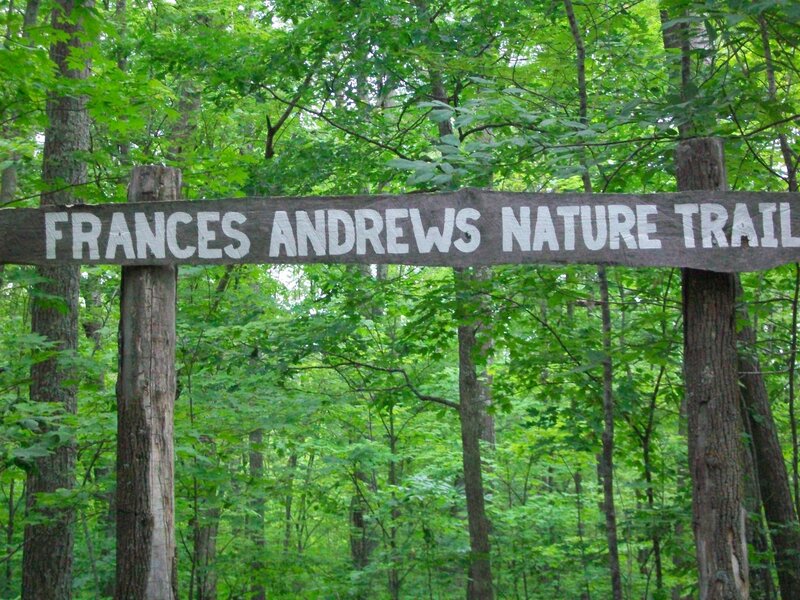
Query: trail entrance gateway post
719, 231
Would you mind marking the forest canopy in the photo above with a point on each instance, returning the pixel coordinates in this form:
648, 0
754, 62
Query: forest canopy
390, 430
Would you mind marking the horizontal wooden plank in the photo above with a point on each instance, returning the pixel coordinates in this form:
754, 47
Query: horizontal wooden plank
720, 231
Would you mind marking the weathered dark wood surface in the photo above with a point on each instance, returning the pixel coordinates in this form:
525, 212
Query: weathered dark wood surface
146, 566
721, 231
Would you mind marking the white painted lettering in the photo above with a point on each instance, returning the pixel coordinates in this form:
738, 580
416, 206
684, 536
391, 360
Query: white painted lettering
513, 229
590, 240
787, 239
472, 235
395, 232
172, 235
206, 235
544, 231
644, 228
767, 209
369, 233
150, 239
306, 232
743, 227
687, 211
229, 219
86, 228
282, 235
337, 245
569, 213
621, 221
52, 234
433, 236
713, 218
119, 235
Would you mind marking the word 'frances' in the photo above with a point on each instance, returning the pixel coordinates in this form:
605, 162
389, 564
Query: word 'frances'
142, 236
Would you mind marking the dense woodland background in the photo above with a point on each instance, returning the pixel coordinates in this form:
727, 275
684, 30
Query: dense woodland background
318, 437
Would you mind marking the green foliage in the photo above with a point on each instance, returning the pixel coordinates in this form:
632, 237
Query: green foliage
342, 380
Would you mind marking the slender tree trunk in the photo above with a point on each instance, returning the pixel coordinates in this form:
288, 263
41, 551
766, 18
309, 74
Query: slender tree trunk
394, 578
205, 553
577, 480
121, 17
655, 535
47, 550
473, 398
606, 462
362, 542
607, 457
479, 586
792, 367
773, 479
287, 506
10, 529
204, 524
790, 157
710, 371
8, 189
256, 461
8, 182
761, 585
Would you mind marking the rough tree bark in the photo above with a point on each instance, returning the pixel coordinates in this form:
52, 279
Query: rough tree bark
710, 372
47, 547
479, 586
146, 562
773, 479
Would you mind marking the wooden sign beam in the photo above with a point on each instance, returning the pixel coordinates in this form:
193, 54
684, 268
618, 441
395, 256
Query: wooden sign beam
720, 231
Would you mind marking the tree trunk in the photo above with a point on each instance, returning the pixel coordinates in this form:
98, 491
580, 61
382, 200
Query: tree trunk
47, 547
479, 586
287, 503
32, 11
710, 372
146, 560
473, 398
773, 479
256, 461
607, 456
606, 462
761, 585
205, 553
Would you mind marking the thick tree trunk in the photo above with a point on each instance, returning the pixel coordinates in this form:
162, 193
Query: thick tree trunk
47, 548
146, 561
710, 372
